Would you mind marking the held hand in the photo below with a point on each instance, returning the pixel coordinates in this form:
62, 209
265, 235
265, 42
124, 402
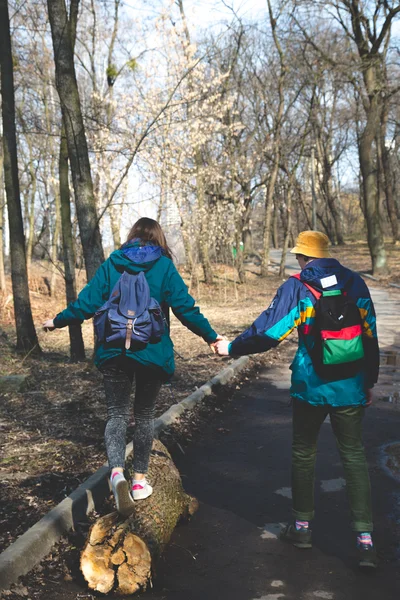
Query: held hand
48, 325
213, 345
370, 397
222, 347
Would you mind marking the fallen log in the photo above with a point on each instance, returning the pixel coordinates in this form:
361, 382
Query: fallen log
120, 553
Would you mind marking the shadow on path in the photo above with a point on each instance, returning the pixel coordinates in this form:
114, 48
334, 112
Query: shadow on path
235, 468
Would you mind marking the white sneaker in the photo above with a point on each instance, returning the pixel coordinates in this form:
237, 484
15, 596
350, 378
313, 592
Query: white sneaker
142, 490
123, 499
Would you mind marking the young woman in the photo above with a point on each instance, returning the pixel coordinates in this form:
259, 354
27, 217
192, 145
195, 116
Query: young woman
146, 250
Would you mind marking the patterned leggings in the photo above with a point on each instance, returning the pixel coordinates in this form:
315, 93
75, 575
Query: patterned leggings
118, 375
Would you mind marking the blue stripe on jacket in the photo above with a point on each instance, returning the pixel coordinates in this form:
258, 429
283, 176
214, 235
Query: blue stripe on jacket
293, 307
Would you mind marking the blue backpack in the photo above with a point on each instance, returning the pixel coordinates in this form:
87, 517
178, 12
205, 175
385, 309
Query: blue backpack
130, 315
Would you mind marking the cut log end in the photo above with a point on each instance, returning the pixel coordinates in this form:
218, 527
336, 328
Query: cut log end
126, 567
120, 552
96, 568
135, 572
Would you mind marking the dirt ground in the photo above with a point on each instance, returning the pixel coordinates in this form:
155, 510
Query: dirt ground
51, 433
355, 255
58, 575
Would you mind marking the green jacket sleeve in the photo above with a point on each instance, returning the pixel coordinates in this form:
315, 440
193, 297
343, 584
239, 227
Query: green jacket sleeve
90, 299
183, 306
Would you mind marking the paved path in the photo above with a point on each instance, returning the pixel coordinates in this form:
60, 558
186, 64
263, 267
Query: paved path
239, 469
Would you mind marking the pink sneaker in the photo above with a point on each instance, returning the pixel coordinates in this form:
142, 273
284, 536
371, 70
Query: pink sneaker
141, 490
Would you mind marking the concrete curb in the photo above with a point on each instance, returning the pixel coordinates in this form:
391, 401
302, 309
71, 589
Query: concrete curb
176, 410
31, 547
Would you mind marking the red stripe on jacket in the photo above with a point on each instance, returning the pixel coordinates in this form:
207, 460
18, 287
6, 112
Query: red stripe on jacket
347, 333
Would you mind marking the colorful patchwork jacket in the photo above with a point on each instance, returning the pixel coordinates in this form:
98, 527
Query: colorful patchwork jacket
293, 308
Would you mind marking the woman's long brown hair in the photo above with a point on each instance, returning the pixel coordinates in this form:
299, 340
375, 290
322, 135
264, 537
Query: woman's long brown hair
149, 231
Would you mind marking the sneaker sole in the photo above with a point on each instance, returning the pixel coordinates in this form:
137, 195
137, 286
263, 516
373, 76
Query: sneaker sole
302, 545
123, 499
366, 564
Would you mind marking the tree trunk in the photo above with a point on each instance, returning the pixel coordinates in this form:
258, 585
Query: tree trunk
55, 243
191, 265
203, 217
270, 191
274, 230
239, 209
269, 196
373, 72
203, 220
76, 344
115, 222
2, 220
30, 195
339, 221
387, 176
2, 228
370, 188
77, 146
31, 222
247, 237
120, 553
239, 251
326, 184
26, 334
77, 348
288, 230
188, 245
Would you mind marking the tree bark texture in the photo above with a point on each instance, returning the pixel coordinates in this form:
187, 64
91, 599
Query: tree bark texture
372, 68
120, 553
55, 243
288, 230
327, 189
30, 205
277, 142
76, 139
76, 344
2, 220
203, 221
77, 348
368, 166
387, 176
274, 227
199, 165
269, 203
190, 260
26, 334
239, 209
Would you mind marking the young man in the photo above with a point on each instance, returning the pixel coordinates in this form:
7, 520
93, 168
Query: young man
314, 395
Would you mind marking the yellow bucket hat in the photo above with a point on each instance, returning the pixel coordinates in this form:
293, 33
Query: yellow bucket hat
313, 244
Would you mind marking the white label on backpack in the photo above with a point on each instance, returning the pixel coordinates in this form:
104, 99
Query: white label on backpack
329, 281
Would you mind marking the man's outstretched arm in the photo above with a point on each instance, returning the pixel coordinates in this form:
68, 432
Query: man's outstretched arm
286, 312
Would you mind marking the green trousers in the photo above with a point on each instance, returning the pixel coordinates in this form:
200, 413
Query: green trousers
347, 425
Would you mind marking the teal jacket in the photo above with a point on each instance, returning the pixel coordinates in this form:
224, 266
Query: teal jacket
166, 286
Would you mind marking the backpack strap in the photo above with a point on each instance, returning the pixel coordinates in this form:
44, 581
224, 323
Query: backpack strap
314, 292
128, 337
